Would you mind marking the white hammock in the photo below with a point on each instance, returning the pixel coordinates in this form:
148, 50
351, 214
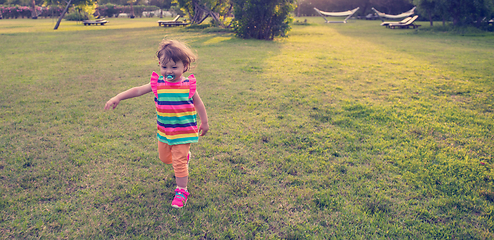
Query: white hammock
401, 15
348, 13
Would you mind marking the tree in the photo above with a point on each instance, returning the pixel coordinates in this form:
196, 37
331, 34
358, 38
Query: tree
162, 4
262, 19
480, 10
131, 2
199, 10
462, 12
434, 8
427, 8
69, 3
34, 15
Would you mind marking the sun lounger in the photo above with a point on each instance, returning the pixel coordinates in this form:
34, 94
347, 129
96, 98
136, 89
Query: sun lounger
95, 22
174, 20
386, 24
172, 23
408, 24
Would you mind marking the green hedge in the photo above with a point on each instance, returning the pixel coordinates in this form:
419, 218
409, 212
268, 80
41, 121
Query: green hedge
76, 16
112, 10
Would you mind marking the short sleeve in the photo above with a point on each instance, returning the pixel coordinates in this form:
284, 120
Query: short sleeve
154, 83
192, 85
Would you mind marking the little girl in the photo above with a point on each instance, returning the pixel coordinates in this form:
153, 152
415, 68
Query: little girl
177, 105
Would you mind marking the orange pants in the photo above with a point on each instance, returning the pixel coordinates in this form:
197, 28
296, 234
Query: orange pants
175, 155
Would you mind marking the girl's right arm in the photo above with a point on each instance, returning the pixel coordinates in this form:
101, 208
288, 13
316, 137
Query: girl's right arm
131, 93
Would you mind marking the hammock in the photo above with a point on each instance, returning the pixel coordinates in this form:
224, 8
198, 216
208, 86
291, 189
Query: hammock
348, 13
401, 15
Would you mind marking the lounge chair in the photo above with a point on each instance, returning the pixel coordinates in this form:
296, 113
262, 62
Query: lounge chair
408, 24
348, 14
386, 24
95, 22
171, 23
174, 20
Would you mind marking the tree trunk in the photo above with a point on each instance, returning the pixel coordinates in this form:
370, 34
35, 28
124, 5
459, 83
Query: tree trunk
34, 14
62, 15
430, 18
199, 12
456, 21
364, 10
228, 14
217, 18
202, 20
132, 10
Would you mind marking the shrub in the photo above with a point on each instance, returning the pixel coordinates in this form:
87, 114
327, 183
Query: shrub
76, 16
25, 12
111, 10
138, 9
489, 28
198, 26
108, 10
51, 11
15, 11
262, 19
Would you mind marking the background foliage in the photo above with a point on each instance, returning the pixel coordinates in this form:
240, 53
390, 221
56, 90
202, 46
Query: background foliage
110, 10
17, 11
461, 13
475, 12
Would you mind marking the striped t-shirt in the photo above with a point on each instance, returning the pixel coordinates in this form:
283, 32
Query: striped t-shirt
176, 114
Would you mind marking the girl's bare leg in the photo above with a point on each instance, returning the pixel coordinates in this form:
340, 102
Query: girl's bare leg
182, 182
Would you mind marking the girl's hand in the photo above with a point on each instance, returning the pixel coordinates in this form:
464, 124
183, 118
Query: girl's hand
131, 93
112, 103
201, 111
203, 129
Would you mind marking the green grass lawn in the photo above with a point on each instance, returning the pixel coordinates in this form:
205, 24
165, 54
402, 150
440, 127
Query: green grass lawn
342, 131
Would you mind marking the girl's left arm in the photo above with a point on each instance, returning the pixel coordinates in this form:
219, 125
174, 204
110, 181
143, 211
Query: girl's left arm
201, 111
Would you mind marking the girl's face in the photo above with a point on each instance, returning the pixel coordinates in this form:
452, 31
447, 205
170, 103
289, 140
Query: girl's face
172, 71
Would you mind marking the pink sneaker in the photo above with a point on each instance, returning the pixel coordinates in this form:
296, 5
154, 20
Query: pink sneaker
180, 199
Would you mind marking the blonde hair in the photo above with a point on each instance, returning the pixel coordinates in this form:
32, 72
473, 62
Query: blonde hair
176, 51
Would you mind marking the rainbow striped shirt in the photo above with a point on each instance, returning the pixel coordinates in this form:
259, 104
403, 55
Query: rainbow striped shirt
176, 114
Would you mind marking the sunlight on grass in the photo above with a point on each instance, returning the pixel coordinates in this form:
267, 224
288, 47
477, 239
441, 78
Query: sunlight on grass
342, 131
216, 40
